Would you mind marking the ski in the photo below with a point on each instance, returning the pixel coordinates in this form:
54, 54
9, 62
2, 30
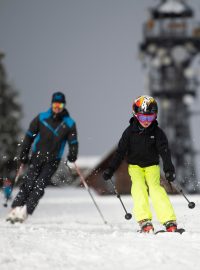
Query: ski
15, 220
180, 231
142, 232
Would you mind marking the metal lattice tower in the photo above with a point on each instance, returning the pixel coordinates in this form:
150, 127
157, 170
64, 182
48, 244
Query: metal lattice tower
170, 45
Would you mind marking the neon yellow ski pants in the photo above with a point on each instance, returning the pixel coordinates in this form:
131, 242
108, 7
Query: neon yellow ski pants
145, 184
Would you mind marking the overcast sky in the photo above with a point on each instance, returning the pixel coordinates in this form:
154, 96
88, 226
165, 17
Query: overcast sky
87, 49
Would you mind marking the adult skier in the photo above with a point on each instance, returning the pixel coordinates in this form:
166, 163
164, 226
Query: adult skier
143, 142
47, 134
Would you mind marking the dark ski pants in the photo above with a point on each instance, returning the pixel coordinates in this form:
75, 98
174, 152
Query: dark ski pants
34, 183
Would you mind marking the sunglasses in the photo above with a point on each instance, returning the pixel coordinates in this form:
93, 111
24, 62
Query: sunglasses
146, 117
58, 105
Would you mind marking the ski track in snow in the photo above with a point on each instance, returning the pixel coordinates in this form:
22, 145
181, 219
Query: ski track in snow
66, 232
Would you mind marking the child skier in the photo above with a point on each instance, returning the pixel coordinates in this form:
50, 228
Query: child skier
143, 142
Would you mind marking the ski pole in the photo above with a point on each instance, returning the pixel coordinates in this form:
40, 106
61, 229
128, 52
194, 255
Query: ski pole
191, 205
19, 171
127, 215
89, 191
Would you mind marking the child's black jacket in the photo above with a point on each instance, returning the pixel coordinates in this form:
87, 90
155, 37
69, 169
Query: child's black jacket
143, 146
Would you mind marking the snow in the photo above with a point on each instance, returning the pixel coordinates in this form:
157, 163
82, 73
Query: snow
67, 232
172, 6
88, 161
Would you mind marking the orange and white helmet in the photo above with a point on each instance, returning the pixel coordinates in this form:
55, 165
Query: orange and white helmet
145, 105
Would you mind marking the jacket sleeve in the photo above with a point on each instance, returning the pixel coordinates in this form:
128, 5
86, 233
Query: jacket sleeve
120, 152
164, 151
73, 142
29, 137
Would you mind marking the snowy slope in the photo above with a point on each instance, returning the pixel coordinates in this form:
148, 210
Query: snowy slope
66, 232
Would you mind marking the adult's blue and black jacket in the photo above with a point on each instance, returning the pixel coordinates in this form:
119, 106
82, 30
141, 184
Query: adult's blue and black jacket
48, 134
143, 147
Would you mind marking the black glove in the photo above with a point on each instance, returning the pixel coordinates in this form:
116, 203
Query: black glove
71, 158
107, 174
170, 176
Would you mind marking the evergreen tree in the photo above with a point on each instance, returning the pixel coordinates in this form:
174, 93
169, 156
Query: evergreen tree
10, 115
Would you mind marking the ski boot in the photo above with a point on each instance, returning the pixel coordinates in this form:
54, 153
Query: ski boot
12, 215
171, 226
17, 214
146, 226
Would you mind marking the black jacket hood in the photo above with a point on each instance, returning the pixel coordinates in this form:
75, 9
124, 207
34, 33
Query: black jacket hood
136, 127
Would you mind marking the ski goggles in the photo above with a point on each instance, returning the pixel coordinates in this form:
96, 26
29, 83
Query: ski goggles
146, 117
58, 105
